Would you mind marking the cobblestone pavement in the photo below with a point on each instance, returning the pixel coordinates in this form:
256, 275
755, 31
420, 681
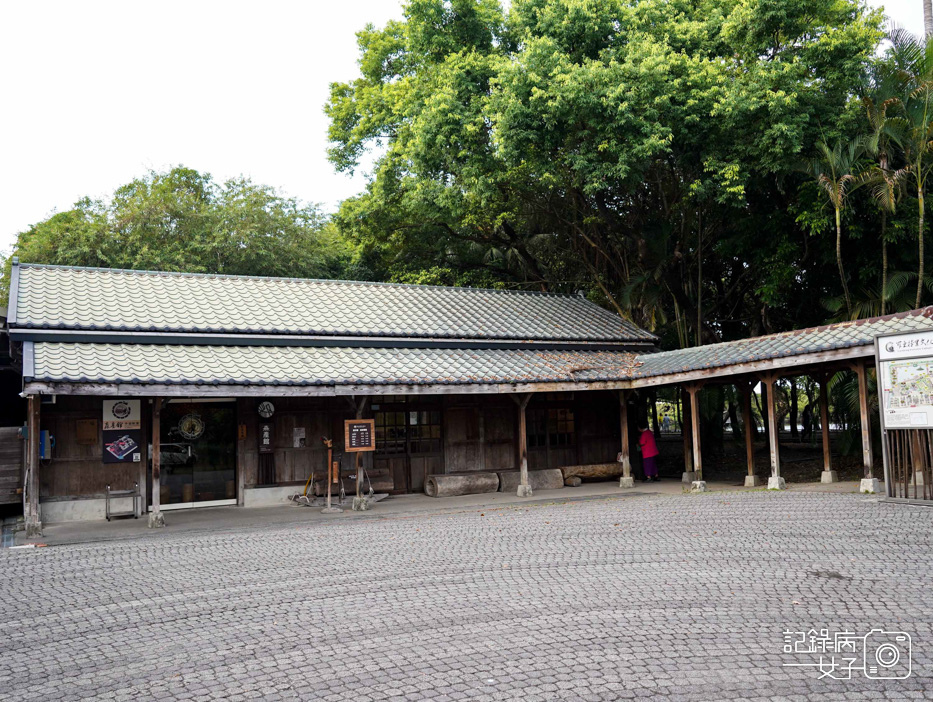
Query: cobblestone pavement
682, 597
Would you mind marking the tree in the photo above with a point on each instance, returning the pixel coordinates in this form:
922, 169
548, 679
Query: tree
836, 172
615, 148
182, 220
913, 128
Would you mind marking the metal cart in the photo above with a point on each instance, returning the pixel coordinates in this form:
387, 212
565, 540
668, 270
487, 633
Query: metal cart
137, 502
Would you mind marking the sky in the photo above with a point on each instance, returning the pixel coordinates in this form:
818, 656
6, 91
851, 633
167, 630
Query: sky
96, 93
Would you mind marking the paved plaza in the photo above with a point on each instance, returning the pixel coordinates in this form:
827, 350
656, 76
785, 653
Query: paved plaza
643, 596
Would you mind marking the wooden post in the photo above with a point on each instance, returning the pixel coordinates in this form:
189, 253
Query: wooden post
748, 420
360, 410
626, 481
156, 519
524, 489
31, 506
865, 420
685, 423
694, 390
775, 482
829, 475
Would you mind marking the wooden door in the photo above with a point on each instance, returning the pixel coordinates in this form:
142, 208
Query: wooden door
391, 456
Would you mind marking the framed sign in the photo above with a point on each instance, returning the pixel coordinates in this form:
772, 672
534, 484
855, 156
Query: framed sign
266, 434
905, 380
122, 431
359, 435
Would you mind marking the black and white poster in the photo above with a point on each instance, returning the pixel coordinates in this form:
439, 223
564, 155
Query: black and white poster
122, 431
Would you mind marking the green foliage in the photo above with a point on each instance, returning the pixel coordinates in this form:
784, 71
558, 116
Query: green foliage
642, 152
183, 221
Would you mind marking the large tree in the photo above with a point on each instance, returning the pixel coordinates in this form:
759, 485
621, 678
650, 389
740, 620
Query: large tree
183, 220
638, 151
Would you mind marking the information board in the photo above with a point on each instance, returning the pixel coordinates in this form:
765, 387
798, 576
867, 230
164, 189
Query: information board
359, 435
905, 376
122, 431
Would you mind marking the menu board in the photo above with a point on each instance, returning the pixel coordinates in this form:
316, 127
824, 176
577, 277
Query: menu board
359, 435
122, 431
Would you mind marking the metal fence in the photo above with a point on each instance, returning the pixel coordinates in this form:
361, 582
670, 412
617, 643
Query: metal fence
909, 463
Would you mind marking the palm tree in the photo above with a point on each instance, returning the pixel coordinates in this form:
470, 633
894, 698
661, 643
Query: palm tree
928, 17
835, 171
886, 185
913, 129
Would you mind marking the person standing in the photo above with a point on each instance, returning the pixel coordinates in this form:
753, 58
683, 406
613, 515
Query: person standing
649, 453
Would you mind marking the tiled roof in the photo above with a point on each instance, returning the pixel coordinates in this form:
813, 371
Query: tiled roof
291, 365
58, 297
803, 341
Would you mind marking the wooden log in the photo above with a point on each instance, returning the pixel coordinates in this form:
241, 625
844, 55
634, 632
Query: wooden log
749, 428
573, 482
460, 484
594, 471
865, 419
547, 479
767, 382
694, 391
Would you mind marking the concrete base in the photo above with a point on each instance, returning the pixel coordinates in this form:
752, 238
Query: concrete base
829, 476
331, 510
872, 486
81, 509
33, 529
919, 477
698, 486
752, 481
269, 496
688, 477
361, 504
156, 520
524, 491
626, 482
776, 484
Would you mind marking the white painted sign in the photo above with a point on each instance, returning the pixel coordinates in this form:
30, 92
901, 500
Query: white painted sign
906, 378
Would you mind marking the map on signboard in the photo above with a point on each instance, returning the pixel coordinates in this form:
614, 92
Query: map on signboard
908, 392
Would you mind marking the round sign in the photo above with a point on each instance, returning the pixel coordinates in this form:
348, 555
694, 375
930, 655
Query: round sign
266, 409
121, 409
191, 426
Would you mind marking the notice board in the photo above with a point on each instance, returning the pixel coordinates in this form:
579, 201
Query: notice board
359, 435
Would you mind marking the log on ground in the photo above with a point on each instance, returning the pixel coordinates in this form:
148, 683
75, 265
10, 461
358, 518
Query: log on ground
596, 471
549, 479
460, 484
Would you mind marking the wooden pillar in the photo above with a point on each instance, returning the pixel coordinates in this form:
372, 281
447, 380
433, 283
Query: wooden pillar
685, 429
865, 419
156, 519
694, 390
775, 482
829, 475
31, 505
624, 443
749, 431
524, 488
358, 503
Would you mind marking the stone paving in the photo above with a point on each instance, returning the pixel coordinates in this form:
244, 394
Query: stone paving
677, 597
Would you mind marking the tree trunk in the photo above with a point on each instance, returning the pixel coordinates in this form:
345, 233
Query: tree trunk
737, 431
920, 238
842, 273
884, 258
793, 408
928, 17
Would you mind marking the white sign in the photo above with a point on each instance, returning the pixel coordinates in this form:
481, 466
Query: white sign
121, 415
906, 378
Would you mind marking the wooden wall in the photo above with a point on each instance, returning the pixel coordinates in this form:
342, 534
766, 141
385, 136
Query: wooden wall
479, 434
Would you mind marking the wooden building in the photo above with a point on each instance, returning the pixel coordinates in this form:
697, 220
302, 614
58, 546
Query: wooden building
209, 390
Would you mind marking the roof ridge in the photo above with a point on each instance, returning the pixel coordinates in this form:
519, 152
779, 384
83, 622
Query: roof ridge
336, 281
926, 311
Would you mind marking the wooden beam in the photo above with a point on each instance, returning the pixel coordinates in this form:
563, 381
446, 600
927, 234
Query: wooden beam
824, 422
865, 419
749, 428
694, 390
768, 380
625, 449
524, 489
31, 506
156, 519
685, 429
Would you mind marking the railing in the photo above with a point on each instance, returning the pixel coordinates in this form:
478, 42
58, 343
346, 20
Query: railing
910, 463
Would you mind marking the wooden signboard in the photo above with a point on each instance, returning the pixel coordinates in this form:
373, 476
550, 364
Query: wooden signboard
359, 435
266, 432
